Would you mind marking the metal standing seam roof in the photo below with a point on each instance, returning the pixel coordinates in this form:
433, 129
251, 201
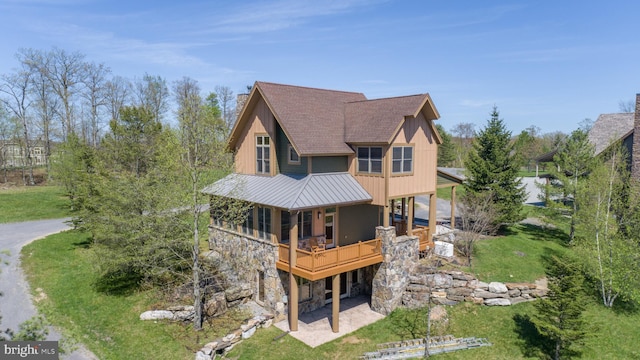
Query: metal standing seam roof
292, 192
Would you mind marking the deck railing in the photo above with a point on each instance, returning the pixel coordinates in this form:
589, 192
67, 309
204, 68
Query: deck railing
423, 233
324, 259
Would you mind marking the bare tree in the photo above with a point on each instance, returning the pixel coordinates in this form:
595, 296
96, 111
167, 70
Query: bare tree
226, 100
628, 106
118, 93
96, 97
66, 73
152, 93
479, 216
16, 88
464, 133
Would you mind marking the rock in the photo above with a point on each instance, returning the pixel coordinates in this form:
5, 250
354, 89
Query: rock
211, 345
480, 285
459, 283
180, 308
248, 333
459, 275
439, 294
517, 300
460, 291
477, 300
514, 293
237, 293
497, 302
216, 306
487, 295
444, 301
520, 286
267, 323
443, 249
438, 313
157, 315
497, 287
206, 350
202, 356
441, 281
229, 337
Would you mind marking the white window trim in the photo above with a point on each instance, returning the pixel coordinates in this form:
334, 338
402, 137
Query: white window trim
264, 148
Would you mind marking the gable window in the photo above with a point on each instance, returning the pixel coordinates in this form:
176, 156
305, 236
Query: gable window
262, 154
370, 159
293, 158
264, 223
402, 162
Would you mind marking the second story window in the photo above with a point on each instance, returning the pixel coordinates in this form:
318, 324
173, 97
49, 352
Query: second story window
402, 162
262, 154
370, 159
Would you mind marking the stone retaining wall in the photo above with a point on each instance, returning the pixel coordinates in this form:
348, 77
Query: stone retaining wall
447, 287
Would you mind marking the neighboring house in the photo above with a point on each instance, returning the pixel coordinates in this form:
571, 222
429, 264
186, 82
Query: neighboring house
322, 170
13, 154
614, 128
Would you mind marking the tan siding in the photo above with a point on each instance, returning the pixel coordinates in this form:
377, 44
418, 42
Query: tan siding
373, 184
416, 132
261, 121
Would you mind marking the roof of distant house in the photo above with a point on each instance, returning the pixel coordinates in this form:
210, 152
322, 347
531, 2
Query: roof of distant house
609, 128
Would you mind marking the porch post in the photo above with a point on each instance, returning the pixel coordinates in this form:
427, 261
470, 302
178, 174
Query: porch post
385, 214
432, 215
293, 285
411, 215
453, 207
335, 304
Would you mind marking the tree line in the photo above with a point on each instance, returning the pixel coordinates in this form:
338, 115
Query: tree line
53, 94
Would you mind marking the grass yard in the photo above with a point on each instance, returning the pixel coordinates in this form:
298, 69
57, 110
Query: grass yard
62, 266
32, 203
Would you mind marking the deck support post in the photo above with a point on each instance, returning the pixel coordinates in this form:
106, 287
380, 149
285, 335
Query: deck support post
412, 200
453, 208
386, 214
335, 303
433, 203
293, 285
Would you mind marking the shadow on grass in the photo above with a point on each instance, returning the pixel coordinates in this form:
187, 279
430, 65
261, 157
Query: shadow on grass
119, 283
537, 232
530, 341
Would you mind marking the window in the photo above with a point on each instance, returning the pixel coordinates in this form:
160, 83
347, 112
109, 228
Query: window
264, 223
304, 225
294, 158
247, 225
262, 154
305, 289
370, 160
402, 159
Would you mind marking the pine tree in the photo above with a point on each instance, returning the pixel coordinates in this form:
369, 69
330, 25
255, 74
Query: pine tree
446, 150
492, 166
559, 316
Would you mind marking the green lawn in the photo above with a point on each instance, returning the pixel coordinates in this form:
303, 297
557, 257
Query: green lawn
63, 266
32, 203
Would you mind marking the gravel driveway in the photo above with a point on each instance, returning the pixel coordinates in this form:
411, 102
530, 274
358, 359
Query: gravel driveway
16, 305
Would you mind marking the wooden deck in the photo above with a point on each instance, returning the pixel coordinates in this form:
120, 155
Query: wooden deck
423, 233
316, 265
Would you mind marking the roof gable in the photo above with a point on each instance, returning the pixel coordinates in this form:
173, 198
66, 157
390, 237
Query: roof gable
609, 128
325, 122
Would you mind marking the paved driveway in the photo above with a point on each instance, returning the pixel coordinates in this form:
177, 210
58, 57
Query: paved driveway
16, 305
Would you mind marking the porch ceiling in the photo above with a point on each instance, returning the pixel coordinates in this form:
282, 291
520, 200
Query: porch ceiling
292, 192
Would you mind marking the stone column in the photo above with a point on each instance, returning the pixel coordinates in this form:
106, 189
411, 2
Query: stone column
399, 257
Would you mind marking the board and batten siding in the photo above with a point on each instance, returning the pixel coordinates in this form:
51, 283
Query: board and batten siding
261, 121
417, 133
373, 184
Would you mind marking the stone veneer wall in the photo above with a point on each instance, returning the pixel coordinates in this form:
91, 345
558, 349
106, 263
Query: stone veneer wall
447, 287
399, 256
247, 255
317, 294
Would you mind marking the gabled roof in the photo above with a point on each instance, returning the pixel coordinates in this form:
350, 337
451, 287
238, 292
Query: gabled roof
609, 128
378, 121
292, 192
325, 122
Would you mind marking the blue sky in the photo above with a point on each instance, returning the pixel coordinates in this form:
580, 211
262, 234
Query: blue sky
545, 63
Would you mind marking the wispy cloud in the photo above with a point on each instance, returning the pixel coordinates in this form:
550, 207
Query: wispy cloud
281, 14
475, 103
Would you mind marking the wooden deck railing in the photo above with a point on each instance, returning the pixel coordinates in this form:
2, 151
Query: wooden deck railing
324, 259
423, 233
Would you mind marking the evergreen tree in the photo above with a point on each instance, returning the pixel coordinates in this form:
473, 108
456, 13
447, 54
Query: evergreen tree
492, 166
446, 150
559, 316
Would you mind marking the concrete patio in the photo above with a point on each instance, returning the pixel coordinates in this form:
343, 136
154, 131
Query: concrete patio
314, 328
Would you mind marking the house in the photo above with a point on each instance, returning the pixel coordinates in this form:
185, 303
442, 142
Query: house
614, 128
12, 154
320, 172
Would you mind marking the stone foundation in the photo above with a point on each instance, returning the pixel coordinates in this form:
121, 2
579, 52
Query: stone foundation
399, 254
247, 256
